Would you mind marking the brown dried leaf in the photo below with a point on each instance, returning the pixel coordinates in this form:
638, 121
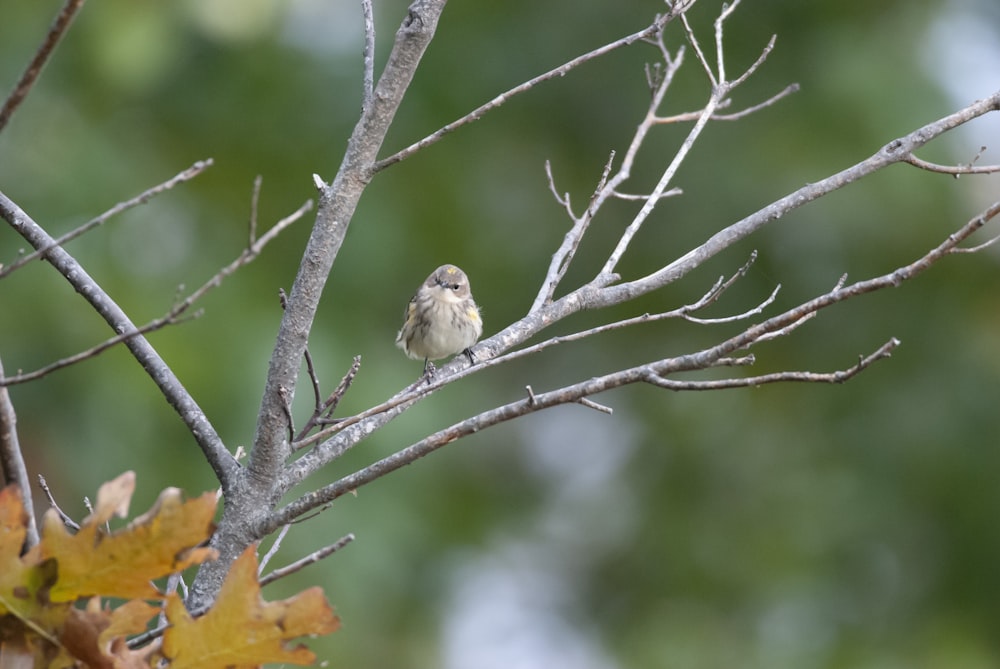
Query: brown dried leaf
122, 564
242, 630
113, 498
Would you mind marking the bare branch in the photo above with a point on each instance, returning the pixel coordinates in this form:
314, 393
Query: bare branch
313, 557
171, 318
161, 374
562, 258
756, 64
254, 201
141, 198
647, 373
330, 405
175, 315
661, 186
693, 41
314, 380
977, 248
421, 389
737, 317
642, 197
720, 88
15, 472
351, 430
56, 32
956, 170
742, 361
275, 547
322, 414
368, 78
735, 116
222, 462
720, 61
338, 202
894, 152
476, 114
839, 376
67, 521
561, 198
591, 404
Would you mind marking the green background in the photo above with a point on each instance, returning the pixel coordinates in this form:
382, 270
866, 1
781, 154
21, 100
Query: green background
785, 526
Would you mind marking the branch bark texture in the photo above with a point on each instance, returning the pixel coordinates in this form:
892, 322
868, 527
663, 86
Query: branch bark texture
248, 502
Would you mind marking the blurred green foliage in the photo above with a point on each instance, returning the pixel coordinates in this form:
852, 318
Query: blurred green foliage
785, 526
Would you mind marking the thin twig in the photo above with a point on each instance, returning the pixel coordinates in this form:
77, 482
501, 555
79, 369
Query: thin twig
331, 403
734, 116
693, 41
561, 198
254, 201
562, 258
562, 70
67, 521
175, 315
607, 187
275, 547
333, 442
661, 186
313, 557
727, 11
286, 407
742, 361
314, 381
756, 64
737, 317
141, 198
839, 376
796, 324
641, 374
956, 170
977, 248
56, 32
174, 582
323, 412
720, 89
171, 318
420, 389
591, 404
642, 197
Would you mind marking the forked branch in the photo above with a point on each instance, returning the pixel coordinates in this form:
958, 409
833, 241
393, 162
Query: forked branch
655, 373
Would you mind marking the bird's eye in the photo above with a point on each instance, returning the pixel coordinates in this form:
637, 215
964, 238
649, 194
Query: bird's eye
454, 286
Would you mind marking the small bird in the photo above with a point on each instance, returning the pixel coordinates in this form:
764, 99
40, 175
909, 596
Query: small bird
442, 319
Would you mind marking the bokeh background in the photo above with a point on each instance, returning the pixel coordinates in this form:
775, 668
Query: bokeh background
785, 526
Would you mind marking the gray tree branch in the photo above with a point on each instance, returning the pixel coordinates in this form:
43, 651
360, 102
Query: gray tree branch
173, 390
256, 491
12, 462
654, 373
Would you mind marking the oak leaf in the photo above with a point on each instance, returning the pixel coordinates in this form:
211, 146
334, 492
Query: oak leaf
122, 563
242, 630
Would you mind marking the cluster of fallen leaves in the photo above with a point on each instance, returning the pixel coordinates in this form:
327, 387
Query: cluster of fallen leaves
54, 609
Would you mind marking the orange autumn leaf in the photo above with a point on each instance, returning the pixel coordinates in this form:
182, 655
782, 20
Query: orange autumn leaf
20, 581
96, 635
113, 498
242, 630
13, 520
122, 563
